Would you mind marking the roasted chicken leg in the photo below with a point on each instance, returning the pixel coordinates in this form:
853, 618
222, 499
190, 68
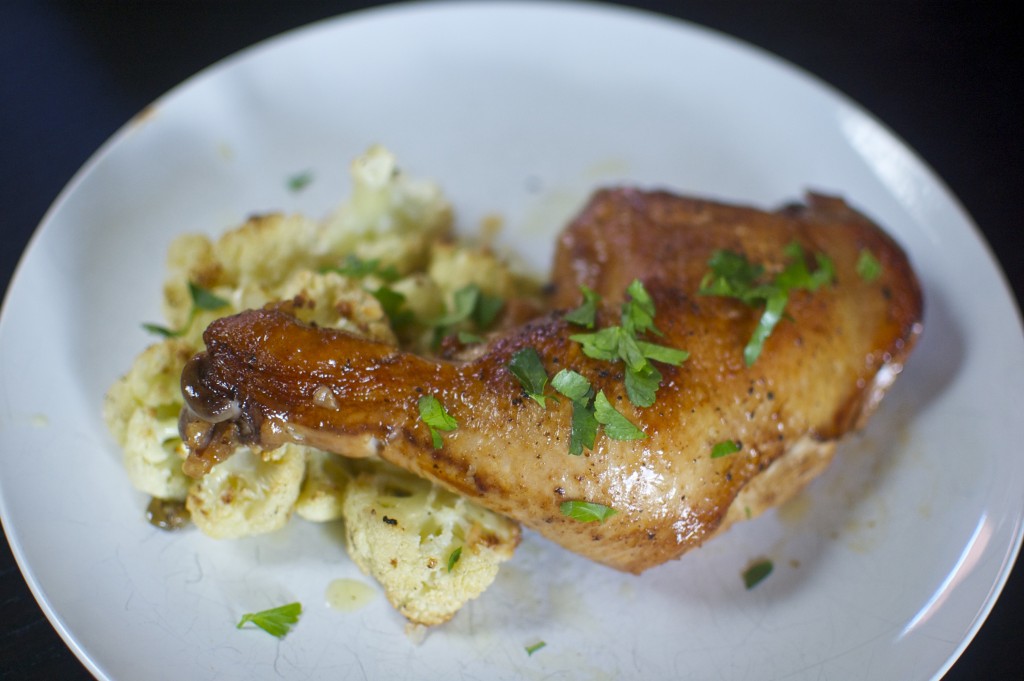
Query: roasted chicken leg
266, 379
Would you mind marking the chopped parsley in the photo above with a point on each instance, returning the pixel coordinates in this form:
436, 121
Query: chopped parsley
393, 304
202, 299
638, 312
582, 428
528, 368
620, 343
453, 558
733, 276
868, 266
756, 573
300, 181
470, 305
586, 511
586, 313
357, 267
573, 385
616, 426
391, 301
275, 621
724, 448
534, 647
437, 418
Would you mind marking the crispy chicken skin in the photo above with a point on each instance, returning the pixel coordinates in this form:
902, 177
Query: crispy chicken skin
267, 379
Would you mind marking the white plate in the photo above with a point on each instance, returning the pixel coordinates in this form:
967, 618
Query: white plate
884, 569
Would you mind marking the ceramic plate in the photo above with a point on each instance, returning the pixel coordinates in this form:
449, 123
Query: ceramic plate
884, 568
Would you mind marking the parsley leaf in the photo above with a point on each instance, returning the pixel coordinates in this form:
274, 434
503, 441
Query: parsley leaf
531, 649
357, 267
202, 299
437, 418
586, 313
469, 304
463, 303
868, 266
300, 181
774, 306
638, 311
603, 344
583, 426
453, 558
527, 366
573, 385
642, 385
582, 429
615, 343
724, 448
616, 426
163, 330
275, 621
756, 573
662, 353
732, 275
487, 310
586, 511
393, 304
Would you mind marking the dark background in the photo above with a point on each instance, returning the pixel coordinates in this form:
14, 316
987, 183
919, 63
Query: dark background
945, 76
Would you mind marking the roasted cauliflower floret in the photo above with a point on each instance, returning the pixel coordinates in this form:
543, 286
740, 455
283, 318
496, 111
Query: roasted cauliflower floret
249, 493
431, 550
382, 266
453, 267
389, 217
141, 411
331, 300
323, 491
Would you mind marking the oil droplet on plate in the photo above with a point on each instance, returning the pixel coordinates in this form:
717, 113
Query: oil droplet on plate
348, 595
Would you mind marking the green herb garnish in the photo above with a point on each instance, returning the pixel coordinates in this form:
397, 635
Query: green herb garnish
868, 266
586, 511
638, 311
586, 313
469, 305
616, 426
573, 385
756, 573
202, 299
358, 268
527, 366
583, 426
724, 448
531, 649
437, 418
620, 343
275, 621
733, 276
393, 304
300, 181
453, 558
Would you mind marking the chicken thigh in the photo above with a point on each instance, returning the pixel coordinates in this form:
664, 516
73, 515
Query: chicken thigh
267, 379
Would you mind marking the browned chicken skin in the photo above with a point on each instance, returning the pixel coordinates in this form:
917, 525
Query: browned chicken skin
267, 379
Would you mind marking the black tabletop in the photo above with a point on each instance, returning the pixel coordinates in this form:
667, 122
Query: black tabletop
945, 76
